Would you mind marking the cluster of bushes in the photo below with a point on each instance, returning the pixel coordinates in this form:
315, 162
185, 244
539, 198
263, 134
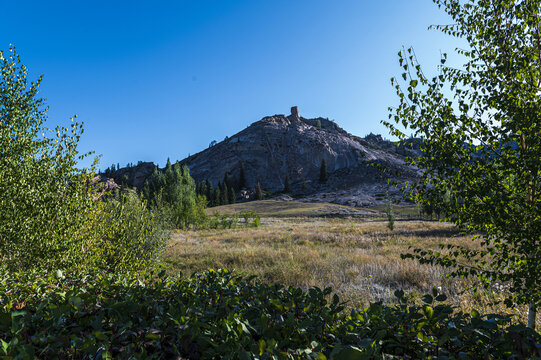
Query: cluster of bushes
171, 194
217, 315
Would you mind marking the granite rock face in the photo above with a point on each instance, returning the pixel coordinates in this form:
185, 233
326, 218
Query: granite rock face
279, 146
136, 175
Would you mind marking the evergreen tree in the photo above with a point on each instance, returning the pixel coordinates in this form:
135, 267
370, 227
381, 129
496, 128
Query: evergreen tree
258, 192
209, 191
225, 195
146, 190
323, 176
227, 182
242, 177
287, 185
217, 199
232, 196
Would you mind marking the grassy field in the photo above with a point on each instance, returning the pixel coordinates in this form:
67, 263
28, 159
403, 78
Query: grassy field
358, 257
276, 208
280, 209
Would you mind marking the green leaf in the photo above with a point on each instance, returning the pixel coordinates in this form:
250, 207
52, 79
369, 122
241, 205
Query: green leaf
350, 353
5, 346
244, 355
429, 312
262, 344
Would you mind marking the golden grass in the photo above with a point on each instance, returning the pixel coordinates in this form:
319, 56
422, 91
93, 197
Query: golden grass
276, 208
360, 259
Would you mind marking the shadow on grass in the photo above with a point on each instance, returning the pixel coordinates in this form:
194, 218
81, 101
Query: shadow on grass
431, 233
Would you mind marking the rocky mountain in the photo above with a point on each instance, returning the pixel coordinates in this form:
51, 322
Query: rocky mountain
281, 146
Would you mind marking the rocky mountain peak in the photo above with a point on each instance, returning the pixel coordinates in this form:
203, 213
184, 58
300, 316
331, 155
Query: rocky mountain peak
292, 146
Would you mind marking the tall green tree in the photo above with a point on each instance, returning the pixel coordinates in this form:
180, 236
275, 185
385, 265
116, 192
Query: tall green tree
287, 185
224, 200
209, 191
217, 197
480, 126
242, 177
232, 196
173, 192
45, 200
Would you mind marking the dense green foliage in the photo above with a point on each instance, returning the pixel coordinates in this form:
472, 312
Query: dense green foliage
481, 137
51, 215
133, 238
172, 193
44, 197
224, 193
216, 315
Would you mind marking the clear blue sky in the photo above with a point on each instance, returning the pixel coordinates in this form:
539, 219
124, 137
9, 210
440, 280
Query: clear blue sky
159, 79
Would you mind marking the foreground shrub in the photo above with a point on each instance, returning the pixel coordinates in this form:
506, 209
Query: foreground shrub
216, 315
133, 237
51, 215
45, 200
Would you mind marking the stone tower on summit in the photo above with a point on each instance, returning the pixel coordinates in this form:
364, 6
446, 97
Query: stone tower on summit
295, 113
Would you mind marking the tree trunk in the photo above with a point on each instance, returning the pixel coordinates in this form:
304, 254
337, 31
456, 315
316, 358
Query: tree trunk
532, 312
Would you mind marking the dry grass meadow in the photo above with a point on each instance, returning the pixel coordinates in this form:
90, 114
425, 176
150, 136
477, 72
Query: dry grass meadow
358, 257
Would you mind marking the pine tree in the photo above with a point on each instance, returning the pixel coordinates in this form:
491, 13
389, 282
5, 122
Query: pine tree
323, 176
242, 177
209, 191
227, 182
225, 195
258, 192
217, 199
287, 185
232, 195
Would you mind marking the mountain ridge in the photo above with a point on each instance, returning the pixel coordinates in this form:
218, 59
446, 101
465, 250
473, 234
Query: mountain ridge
290, 146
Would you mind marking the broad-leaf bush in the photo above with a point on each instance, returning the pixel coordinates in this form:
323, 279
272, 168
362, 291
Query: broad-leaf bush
217, 315
45, 200
51, 214
133, 237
